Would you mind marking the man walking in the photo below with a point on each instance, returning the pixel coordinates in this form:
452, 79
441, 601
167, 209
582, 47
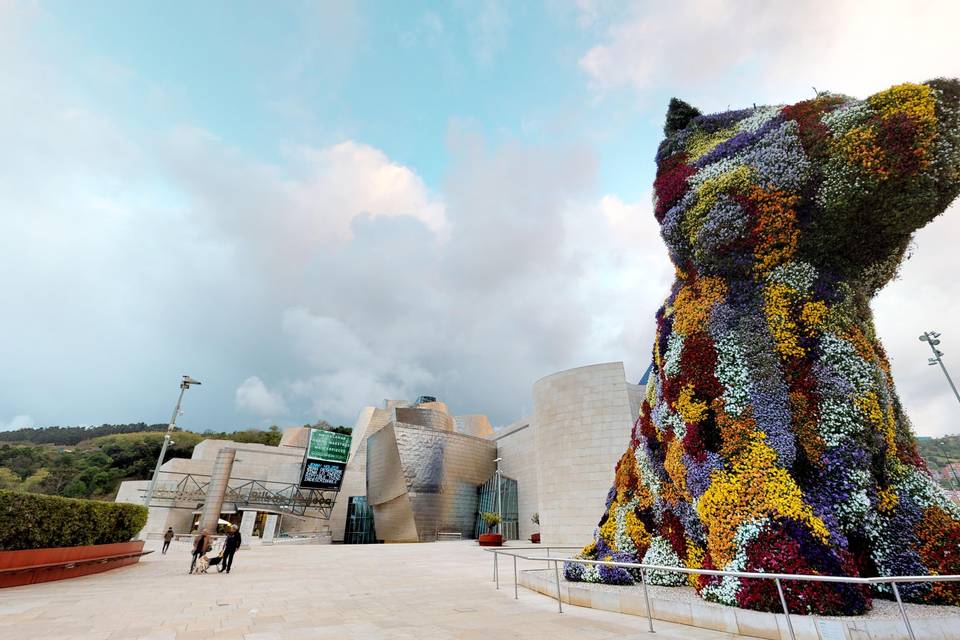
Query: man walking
167, 537
200, 545
230, 546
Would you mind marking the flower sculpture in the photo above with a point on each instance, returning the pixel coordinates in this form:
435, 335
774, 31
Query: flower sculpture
771, 437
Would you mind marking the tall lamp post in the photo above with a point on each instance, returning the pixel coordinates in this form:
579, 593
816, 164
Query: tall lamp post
184, 385
499, 500
932, 338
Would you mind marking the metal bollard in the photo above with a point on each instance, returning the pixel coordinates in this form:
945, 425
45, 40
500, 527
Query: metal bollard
786, 612
556, 572
646, 596
515, 597
903, 612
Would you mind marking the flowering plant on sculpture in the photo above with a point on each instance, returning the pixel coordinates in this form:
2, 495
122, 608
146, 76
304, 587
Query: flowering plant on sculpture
771, 437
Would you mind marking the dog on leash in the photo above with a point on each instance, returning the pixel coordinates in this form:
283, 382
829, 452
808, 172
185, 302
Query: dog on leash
203, 563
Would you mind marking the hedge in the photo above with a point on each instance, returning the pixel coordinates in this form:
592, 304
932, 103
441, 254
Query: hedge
32, 521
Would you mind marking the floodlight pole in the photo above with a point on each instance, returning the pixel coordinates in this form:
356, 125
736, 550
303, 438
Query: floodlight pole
932, 339
184, 385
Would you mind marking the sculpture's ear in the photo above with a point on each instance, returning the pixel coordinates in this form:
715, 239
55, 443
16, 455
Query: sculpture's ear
679, 115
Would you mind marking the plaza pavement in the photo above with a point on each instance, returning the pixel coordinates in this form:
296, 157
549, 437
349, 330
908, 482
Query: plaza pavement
285, 592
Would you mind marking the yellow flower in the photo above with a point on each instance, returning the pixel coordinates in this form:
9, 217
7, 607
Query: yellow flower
673, 463
913, 100
778, 299
637, 532
695, 556
859, 146
812, 316
755, 488
688, 407
880, 418
694, 301
701, 142
887, 499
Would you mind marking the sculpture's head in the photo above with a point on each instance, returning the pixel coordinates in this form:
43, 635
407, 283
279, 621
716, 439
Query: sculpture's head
835, 182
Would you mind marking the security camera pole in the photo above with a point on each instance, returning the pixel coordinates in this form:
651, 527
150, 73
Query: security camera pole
933, 339
184, 385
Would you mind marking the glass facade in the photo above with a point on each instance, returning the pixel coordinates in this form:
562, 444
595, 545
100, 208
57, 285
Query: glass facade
510, 526
359, 527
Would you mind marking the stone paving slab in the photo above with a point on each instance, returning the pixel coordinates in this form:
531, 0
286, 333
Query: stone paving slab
434, 591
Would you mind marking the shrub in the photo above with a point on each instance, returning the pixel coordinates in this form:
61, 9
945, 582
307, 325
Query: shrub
32, 521
491, 518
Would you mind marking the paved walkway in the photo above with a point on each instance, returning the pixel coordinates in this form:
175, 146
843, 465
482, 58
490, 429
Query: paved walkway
432, 591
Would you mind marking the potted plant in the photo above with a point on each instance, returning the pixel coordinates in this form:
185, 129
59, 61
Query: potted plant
535, 537
490, 539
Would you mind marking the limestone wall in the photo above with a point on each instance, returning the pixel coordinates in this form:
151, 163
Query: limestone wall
581, 420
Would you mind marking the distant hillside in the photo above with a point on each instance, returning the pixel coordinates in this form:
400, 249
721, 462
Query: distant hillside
55, 461
939, 452
74, 435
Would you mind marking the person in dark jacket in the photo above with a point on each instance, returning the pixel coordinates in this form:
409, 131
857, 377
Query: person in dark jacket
200, 546
230, 546
167, 537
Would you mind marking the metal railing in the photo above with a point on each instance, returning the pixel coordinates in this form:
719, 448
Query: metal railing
247, 492
776, 577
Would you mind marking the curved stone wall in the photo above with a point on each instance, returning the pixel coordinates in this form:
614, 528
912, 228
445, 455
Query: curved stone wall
582, 419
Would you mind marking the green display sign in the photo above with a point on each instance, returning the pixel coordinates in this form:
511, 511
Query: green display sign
327, 445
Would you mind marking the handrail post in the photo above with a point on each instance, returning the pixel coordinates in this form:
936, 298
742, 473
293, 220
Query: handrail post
556, 572
786, 611
646, 597
903, 611
515, 596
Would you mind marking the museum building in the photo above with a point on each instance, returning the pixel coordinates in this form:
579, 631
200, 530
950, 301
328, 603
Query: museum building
412, 471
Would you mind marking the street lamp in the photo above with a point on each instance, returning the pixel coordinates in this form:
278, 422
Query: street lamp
185, 384
499, 500
932, 338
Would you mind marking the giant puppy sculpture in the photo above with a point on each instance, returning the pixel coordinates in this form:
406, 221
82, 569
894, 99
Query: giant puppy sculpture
771, 437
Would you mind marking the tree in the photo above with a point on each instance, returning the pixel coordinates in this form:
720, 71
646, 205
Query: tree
8, 479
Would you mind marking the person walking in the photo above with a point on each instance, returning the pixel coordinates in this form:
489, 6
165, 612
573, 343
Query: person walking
200, 545
230, 546
167, 537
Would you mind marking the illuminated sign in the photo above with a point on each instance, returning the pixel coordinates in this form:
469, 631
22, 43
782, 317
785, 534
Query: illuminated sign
327, 445
322, 474
325, 460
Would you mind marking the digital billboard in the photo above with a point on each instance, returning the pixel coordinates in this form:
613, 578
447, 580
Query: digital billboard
327, 445
325, 460
322, 474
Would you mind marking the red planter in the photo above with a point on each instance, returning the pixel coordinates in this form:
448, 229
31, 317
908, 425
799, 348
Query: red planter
535, 538
44, 565
491, 540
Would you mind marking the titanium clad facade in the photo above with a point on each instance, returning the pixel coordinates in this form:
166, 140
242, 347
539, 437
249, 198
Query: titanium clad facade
422, 480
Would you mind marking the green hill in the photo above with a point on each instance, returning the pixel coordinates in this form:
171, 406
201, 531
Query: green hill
938, 452
54, 460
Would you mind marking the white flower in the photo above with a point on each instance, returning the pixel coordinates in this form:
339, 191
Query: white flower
661, 553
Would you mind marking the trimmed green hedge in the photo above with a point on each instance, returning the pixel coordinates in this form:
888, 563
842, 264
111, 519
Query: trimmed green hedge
33, 521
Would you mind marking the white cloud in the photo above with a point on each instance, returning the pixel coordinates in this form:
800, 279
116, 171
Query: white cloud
254, 396
489, 24
21, 421
925, 297
715, 53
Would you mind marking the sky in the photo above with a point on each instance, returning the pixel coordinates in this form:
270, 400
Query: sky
313, 206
